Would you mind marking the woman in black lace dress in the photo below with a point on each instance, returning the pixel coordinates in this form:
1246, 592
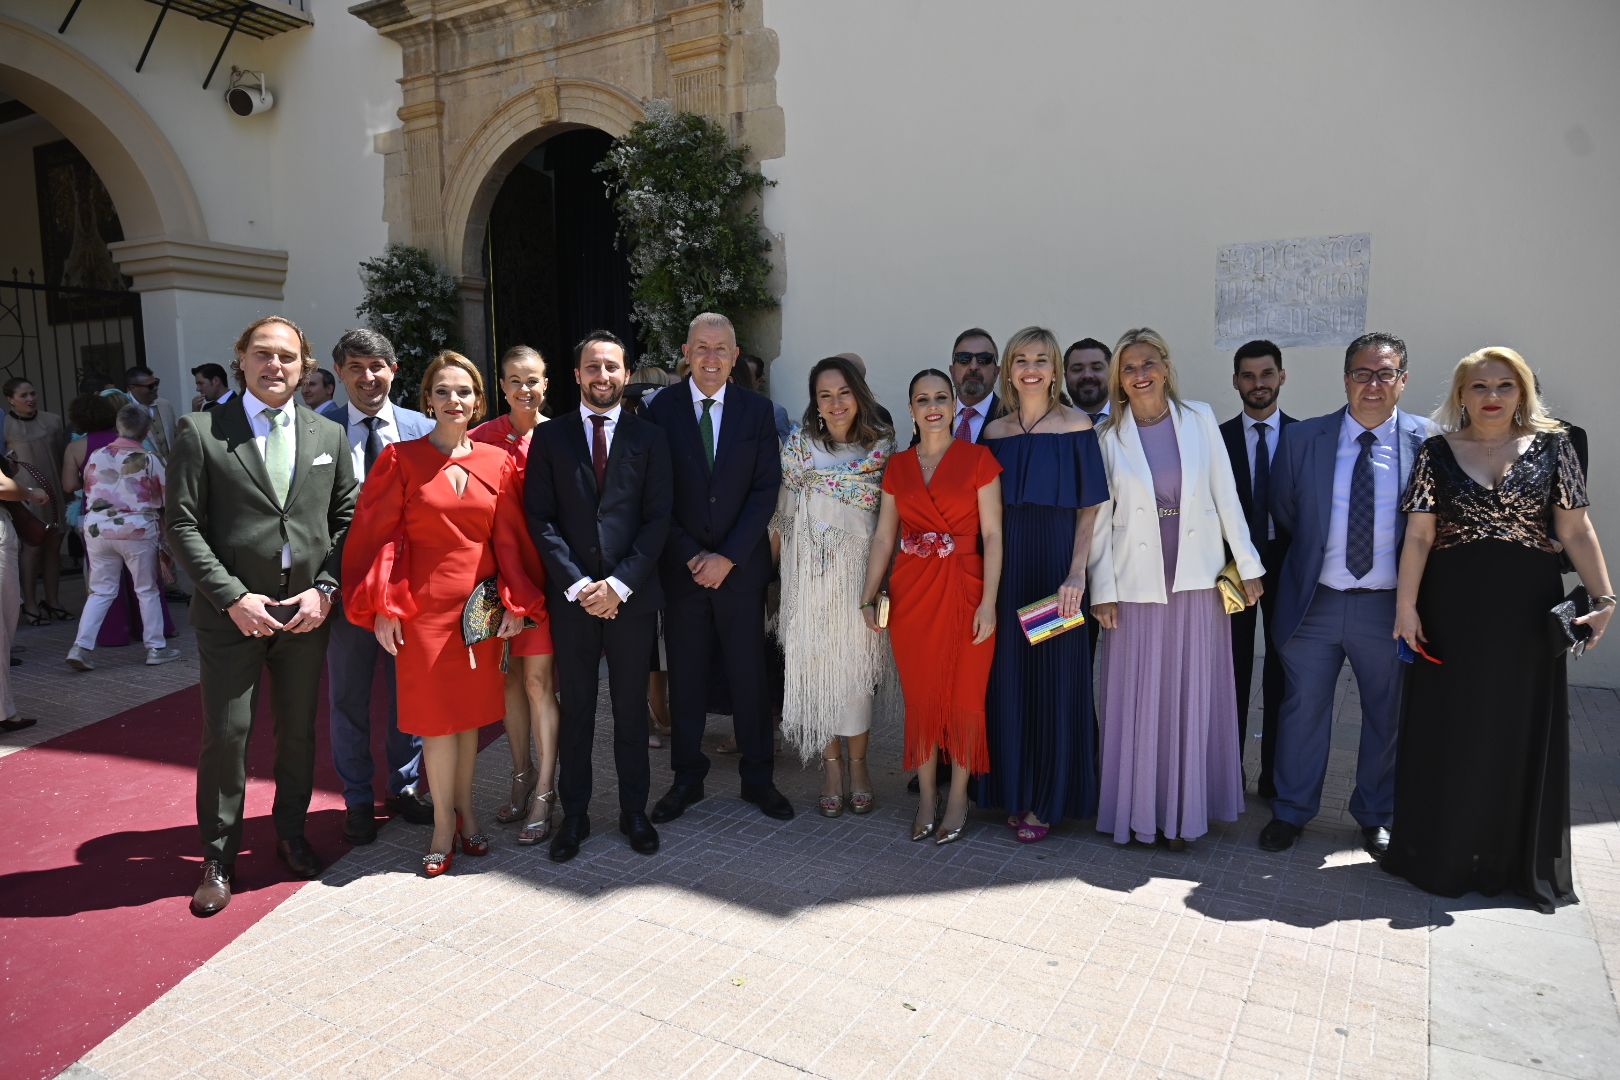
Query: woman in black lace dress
1482, 773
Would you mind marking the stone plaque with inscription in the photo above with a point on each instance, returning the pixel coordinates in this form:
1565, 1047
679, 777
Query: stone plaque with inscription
1308, 291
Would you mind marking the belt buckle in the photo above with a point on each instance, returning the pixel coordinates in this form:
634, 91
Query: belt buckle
1169, 511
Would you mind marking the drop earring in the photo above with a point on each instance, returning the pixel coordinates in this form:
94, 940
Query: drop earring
1464, 422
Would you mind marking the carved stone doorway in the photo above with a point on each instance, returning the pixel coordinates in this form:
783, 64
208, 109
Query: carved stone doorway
553, 270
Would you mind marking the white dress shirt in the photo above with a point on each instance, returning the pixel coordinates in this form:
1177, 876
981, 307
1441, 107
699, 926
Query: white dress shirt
1251, 442
716, 411
259, 420
1386, 470
585, 413
387, 433
1102, 413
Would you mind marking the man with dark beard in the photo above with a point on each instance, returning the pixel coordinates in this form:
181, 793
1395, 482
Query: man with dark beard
1251, 440
1085, 373
598, 494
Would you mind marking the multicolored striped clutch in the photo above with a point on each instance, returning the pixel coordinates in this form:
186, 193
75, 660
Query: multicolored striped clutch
1041, 620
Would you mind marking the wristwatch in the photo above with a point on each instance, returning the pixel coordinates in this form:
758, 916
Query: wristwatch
326, 589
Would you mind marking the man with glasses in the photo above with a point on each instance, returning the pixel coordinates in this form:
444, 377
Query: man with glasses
142, 387
1335, 489
974, 370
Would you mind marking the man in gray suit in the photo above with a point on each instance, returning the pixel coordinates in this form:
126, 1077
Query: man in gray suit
365, 361
260, 493
1336, 484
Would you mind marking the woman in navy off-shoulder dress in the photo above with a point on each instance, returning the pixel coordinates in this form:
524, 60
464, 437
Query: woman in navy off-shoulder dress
1038, 716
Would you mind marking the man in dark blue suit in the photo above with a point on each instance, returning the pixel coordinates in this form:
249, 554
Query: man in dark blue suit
1336, 485
717, 562
598, 496
365, 361
1251, 438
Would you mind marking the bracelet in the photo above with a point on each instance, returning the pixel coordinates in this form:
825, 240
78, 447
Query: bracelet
873, 603
1607, 600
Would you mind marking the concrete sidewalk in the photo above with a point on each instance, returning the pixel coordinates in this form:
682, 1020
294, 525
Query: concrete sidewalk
837, 948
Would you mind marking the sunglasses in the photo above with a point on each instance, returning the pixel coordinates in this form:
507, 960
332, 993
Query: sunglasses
979, 359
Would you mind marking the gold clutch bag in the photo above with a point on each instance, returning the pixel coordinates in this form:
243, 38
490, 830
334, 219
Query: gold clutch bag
1230, 585
883, 609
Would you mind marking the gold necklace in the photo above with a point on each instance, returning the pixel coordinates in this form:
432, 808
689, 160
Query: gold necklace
1149, 423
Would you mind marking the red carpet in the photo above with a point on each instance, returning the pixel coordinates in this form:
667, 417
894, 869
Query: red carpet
100, 858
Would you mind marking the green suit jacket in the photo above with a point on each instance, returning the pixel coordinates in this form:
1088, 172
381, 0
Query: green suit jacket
224, 524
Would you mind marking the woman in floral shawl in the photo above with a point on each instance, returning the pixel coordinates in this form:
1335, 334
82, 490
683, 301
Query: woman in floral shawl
832, 476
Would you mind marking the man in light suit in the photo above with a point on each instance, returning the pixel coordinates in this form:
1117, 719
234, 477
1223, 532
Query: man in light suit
717, 562
260, 493
1336, 485
365, 361
598, 493
142, 387
1252, 437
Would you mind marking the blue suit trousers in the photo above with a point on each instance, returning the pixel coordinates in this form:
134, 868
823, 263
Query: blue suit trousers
352, 659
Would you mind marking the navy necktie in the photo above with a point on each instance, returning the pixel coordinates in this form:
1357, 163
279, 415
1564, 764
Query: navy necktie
1260, 488
373, 442
1358, 536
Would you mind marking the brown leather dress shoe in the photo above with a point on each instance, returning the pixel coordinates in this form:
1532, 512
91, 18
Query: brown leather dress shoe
300, 858
213, 892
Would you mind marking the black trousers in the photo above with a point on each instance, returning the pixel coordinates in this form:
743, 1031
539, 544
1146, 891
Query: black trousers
695, 623
581, 640
232, 666
1271, 672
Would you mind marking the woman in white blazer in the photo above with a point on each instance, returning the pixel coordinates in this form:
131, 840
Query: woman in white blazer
1168, 714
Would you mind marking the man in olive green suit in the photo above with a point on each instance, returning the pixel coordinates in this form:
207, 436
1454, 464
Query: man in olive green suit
260, 493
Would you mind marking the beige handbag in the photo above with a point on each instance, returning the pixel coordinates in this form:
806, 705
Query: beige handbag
883, 610
1230, 585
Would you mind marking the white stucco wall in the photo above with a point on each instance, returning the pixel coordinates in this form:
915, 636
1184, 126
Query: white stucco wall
951, 162
302, 178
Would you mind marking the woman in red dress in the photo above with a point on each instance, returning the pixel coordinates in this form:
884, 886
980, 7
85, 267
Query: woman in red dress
942, 502
437, 516
531, 681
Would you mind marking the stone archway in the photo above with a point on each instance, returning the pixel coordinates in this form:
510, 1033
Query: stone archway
485, 84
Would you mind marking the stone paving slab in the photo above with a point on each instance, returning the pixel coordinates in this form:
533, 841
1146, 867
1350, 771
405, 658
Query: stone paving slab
749, 947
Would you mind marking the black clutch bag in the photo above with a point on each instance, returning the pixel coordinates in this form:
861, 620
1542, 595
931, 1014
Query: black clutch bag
1564, 633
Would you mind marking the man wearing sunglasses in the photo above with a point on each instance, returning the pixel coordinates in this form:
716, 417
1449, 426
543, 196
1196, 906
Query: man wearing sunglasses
974, 370
1335, 489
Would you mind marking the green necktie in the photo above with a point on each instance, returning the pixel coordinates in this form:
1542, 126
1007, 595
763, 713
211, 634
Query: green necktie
706, 426
278, 454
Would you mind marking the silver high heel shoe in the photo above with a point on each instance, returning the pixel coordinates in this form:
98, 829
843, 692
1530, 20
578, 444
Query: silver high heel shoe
525, 782
951, 836
539, 826
927, 830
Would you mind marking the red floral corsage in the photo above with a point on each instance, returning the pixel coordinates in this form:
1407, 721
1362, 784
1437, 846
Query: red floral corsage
925, 544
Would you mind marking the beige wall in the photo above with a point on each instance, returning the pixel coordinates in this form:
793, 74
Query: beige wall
1078, 164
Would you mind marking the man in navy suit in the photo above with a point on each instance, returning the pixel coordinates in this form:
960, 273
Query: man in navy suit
598, 496
365, 361
717, 562
1251, 438
1336, 484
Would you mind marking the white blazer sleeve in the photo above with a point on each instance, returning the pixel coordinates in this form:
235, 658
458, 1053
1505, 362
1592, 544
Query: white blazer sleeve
1101, 584
1223, 486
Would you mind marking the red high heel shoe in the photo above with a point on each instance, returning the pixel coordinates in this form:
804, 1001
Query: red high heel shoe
436, 862
476, 845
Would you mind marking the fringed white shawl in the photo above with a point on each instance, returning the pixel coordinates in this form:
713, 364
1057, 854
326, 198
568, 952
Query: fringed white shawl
826, 517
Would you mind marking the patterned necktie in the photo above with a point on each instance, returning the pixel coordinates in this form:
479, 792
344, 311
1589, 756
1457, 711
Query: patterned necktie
1358, 536
1260, 488
599, 448
373, 441
706, 429
278, 454
964, 430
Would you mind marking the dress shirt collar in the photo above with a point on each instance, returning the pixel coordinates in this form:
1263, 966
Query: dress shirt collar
585, 414
1274, 422
385, 414
698, 395
253, 407
1352, 428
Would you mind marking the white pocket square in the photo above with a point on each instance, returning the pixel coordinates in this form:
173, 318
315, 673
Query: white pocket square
324, 459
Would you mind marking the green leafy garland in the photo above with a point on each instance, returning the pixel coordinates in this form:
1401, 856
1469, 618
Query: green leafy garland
411, 302
681, 188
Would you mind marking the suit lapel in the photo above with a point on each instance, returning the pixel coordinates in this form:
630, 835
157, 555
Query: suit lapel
730, 423
1327, 452
307, 425
686, 419
239, 436
1237, 449
624, 434
573, 428
1131, 439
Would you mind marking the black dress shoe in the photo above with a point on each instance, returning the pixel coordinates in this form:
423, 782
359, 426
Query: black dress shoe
412, 807
359, 825
569, 835
214, 891
1375, 839
770, 801
675, 802
643, 837
300, 858
1279, 835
